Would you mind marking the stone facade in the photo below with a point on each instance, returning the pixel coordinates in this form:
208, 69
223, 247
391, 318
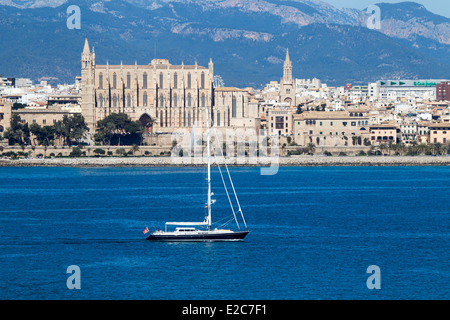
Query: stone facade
5, 115
336, 128
440, 133
175, 96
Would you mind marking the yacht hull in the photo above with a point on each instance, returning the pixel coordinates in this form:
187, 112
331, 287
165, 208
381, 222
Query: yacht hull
204, 236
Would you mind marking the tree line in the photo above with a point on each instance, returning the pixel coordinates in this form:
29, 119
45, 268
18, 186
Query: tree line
115, 129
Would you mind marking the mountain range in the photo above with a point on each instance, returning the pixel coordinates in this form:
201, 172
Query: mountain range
247, 39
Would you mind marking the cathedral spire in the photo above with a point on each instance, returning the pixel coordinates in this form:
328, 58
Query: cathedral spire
86, 46
287, 69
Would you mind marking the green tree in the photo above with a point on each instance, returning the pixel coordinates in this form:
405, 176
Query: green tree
76, 152
311, 147
134, 148
18, 132
118, 126
121, 151
44, 135
99, 151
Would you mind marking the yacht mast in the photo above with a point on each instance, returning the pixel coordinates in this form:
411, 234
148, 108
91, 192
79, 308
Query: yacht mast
208, 151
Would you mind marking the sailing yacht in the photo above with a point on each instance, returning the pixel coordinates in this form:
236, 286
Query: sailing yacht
187, 231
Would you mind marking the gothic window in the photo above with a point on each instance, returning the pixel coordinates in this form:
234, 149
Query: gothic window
100, 81
189, 81
114, 81
175, 80
233, 107
145, 98
161, 80
175, 100
128, 101
202, 81
114, 101
161, 101
203, 100
189, 119
189, 100
218, 118
144, 80
128, 80
100, 98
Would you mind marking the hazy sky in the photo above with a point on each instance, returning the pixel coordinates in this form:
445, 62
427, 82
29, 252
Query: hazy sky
441, 7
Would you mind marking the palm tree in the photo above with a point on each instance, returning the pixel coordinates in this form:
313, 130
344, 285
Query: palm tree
383, 147
311, 147
134, 148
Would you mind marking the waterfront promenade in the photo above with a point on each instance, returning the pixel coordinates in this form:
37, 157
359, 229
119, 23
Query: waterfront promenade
317, 160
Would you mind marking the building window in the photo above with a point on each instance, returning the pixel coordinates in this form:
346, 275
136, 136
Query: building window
144, 80
100, 80
203, 100
114, 81
44, 121
175, 100
145, 98
128, 80
189, 100
189, 81
161, 101
175, 80
128, 101
233, 107
161, 80
202, 81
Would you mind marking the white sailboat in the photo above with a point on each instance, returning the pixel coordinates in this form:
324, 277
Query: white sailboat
187, 231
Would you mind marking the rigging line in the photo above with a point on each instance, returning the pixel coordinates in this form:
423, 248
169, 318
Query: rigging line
228, 217
224, 224
226, 190
232, 185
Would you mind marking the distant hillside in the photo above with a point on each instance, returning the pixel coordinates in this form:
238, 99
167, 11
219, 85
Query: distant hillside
246, 39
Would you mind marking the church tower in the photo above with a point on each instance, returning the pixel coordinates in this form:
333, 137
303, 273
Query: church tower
87, 86
287, 85
287, 69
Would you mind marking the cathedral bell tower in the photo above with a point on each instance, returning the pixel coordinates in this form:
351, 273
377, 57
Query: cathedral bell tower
87, 86
287, 85
287, 69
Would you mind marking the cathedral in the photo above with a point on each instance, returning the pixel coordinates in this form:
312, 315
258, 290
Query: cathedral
173, 96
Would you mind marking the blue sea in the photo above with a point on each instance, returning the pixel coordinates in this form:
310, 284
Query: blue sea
314, 233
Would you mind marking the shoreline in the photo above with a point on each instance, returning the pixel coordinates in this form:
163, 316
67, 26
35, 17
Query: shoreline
295, 161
